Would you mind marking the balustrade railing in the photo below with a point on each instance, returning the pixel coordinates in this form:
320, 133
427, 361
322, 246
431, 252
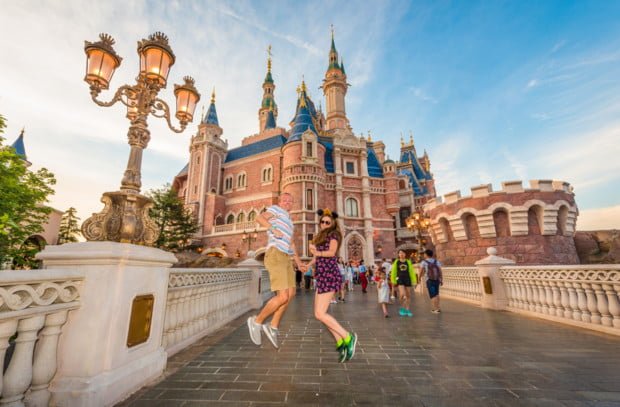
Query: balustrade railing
33, 309
237, 227
581, 295
265, 285
202, 300
462, 283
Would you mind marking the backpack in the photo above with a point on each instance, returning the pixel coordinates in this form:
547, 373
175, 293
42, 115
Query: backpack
433, 270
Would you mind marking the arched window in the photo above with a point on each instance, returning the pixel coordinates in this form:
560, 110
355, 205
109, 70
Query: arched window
351, 208
471, 226
251, 216
230, 219
228, 183
219, 220
534, 220
502, 223
241, 217
446, 229
241, 180
562, 219
267, 174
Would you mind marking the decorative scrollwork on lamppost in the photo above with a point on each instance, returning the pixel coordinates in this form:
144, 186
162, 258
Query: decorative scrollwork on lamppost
125, 215
249, 237
419, 223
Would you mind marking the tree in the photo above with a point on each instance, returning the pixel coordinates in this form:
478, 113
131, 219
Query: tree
23, 195
176, 224
69, 229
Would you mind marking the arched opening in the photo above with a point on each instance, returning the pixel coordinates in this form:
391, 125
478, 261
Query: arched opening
241, 217
562, 219
219, 220
534, 220
446, 229
501, 221
351, 208
230, 219
470, 224
251, 216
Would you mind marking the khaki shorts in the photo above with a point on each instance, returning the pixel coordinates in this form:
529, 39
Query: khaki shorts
280, 268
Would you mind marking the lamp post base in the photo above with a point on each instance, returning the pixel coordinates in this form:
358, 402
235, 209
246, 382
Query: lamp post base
125, 218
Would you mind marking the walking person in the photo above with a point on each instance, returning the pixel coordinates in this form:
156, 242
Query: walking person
343, 275
383, 292
363, 276
349, 274
280, 249
404, 278
431, 268
328, 281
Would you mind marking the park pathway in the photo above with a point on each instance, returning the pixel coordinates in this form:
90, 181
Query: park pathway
465, 356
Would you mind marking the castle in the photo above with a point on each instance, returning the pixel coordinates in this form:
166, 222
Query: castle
320, 161
534, 225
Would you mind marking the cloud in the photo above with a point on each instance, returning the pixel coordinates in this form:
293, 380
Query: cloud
420, 94
599, 218
558, 46
532, 83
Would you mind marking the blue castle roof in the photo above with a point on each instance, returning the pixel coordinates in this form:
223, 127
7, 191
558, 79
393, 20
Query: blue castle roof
271, 120
255, 148
329, 153
374, 167
211, 116
18, 145
303, 122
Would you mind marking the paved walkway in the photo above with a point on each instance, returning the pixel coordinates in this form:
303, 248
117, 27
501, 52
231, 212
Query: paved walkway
465, 356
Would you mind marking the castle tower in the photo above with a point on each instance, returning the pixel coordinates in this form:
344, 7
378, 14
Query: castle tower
207, 154
268, 104
335, 89
20, 148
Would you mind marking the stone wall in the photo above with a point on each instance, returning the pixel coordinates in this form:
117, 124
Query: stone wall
598, 247
530, 226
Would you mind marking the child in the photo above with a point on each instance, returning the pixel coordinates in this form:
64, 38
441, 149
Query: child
383, 293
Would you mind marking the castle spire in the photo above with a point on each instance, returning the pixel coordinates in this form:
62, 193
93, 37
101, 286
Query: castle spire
333, 54
211, 116
271, 120
268, 101
18, 145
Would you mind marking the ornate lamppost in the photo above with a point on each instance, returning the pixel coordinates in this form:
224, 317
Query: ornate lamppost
249, 237
419, 224
125, 215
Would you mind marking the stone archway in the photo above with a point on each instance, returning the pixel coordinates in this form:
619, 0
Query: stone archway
354, 248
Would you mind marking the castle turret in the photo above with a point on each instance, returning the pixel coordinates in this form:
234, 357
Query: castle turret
268, 104
335, 89
20, 148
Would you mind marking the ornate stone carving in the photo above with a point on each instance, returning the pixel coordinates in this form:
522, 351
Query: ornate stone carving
21, 296
124, 219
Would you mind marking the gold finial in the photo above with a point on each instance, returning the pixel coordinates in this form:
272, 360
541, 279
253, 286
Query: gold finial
298, 91
303, 85
402, 141
23, 130
302, 102
411, 137
369, 138
269, 58
213, 95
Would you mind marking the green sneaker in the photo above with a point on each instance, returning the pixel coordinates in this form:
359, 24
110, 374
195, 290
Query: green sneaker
342, 353
351, 347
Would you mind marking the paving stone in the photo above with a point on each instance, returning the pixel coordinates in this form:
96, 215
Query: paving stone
466, 356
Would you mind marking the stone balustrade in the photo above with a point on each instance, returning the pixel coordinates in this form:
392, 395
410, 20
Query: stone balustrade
202, 300
462, 283
34, 306
586, 296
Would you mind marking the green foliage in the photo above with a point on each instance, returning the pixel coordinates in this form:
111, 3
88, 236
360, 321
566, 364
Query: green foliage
23, 213
69, 229
176, 224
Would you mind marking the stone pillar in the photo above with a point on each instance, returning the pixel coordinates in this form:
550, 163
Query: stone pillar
255, 296
95, 365
494, 295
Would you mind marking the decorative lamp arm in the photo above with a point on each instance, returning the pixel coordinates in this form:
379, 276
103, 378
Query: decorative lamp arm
161, 109
125, 90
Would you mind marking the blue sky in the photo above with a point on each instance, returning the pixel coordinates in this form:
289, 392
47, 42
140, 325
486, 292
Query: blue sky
494, 91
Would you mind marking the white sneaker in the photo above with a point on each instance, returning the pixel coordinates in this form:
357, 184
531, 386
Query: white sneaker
254, 329
272, 334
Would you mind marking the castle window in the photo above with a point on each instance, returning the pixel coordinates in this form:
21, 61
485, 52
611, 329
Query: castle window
230, 219
309, 149
351, 208
562, 220
349, 167
228, 183
240, 218
241, 180
267, 174
195, 189
404, 213
251, 216
310, 199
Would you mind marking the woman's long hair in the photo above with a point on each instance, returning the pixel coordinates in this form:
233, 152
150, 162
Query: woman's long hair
321, 237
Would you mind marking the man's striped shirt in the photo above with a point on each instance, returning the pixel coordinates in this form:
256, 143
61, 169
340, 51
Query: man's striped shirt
281, 220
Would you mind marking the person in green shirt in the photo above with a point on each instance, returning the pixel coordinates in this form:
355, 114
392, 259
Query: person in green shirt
404, 277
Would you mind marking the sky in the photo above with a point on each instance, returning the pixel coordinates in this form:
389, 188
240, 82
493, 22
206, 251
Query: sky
493, 90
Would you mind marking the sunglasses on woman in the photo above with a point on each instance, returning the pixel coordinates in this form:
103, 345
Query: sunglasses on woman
325, 222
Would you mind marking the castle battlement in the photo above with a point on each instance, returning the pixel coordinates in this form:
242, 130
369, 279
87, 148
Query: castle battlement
528, 225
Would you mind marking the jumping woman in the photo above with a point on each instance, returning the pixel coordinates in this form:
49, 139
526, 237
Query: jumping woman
327, 280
